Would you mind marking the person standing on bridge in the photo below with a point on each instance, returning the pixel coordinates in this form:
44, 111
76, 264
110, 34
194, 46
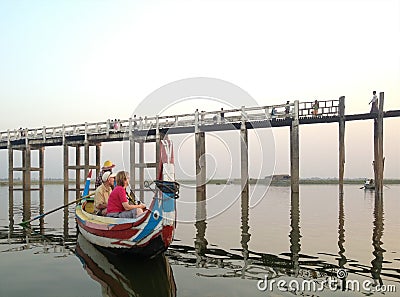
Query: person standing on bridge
374, 101
222, 113
287, 108
108, 166
315, 107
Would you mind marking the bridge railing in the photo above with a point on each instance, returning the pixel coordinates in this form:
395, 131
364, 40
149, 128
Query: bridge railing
198, 118
227, 116
141, 123
325, 108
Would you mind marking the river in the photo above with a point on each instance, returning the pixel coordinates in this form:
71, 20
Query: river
275, 244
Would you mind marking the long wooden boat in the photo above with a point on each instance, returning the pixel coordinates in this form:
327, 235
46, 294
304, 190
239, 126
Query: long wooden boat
124, 276
147, 235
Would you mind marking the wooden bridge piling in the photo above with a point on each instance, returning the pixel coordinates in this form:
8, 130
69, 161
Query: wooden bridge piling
244, 158
342, 156
87, 159
200, 147
10, 168
41, 167
77, 171
141, 169
132, 152
294, 149
378, 147
26, 168
65, 171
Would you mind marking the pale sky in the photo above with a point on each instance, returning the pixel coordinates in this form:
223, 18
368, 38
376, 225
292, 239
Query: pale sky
68, 62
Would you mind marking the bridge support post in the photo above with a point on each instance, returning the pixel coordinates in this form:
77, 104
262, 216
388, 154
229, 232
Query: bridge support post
141, 170
158, 153
41, 187
294, 149
77, 171
342, 154
10, 169
65, 170
244, 161
26, 170
378, 147
132, 158
87, 159
41, 170
200, 142
98, 158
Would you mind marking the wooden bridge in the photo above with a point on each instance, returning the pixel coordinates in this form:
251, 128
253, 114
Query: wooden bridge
138, 130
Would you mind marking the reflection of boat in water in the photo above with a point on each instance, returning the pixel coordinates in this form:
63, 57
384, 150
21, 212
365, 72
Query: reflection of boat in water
122, 276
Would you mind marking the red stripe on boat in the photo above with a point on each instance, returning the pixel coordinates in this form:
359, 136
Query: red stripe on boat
119, 242
120, 234
167, 235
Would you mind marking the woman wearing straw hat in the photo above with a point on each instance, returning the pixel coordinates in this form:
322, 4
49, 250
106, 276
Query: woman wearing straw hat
108, 166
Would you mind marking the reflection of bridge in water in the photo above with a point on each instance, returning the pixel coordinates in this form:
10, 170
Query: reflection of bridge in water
237, 263
255, 265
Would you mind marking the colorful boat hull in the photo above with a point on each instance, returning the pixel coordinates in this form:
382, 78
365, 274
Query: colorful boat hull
147, 235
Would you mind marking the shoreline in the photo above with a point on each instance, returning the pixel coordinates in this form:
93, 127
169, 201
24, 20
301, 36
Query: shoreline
252, 181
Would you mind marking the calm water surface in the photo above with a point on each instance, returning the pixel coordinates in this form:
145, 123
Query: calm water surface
218, 250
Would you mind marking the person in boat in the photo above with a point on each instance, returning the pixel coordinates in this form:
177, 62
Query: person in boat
118, 205
108, 166
103, 193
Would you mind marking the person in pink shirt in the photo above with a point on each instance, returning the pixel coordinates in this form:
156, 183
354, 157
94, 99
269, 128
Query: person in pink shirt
118, 205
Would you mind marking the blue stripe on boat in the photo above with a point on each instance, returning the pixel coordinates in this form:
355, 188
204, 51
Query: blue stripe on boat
168, 202
152, 223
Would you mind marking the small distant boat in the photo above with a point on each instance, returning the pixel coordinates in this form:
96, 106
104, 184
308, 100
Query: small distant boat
369, 184
150, 233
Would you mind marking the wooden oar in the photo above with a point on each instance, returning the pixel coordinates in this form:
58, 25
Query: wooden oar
51, 211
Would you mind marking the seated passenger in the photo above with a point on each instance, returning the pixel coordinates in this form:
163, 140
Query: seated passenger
108, 166
103, 193
118, 205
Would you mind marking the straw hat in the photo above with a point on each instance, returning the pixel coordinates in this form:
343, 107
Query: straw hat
108, 165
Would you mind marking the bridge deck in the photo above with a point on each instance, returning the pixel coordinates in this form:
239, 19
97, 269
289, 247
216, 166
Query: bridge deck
102, 133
